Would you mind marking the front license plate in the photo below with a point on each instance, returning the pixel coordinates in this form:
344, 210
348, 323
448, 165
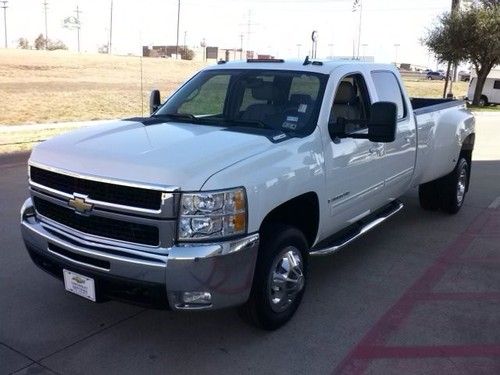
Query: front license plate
78, 284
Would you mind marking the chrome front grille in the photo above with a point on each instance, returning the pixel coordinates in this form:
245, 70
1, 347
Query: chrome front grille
99, 191
99, 226
128, 216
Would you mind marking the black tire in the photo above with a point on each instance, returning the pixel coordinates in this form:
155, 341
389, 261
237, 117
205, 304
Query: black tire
259, 310
483, 101
428, 195
454, 187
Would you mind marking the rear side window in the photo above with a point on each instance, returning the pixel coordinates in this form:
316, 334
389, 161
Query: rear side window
388, 90
496, 85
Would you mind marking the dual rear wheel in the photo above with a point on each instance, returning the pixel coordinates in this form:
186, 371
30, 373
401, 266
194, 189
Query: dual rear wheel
447, 193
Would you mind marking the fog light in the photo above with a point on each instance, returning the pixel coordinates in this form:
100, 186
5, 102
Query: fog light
197, 298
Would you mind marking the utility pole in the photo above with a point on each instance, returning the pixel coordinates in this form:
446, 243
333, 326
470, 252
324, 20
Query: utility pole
396, 47
455, 7
249, 24
364, 49
110, 28
178, 21
185, 38
4, 6
241, 46
298, 50
78, 11
45, 4
331, 45
358, 6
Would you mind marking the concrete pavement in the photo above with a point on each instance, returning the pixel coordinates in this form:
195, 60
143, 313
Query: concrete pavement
418, 295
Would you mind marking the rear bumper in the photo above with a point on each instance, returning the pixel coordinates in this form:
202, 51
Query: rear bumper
159, 279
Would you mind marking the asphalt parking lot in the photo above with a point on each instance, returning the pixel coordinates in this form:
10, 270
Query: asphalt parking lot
418, 295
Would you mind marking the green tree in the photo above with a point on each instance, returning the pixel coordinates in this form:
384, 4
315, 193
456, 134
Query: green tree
473, 36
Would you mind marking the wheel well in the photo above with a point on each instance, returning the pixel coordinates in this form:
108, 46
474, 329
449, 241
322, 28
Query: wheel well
468, 147
301, 212
466, 152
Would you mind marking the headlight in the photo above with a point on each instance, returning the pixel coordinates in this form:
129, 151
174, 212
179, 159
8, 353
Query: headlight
210, 215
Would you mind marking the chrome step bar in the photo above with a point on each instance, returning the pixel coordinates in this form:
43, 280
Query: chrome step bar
333, 247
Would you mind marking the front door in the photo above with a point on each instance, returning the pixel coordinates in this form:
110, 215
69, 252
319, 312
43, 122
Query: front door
354, 167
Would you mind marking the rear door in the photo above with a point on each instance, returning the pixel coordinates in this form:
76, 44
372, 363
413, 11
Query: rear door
399, 156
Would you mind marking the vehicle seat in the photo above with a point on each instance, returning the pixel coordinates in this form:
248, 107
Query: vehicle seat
258, 111
346, 105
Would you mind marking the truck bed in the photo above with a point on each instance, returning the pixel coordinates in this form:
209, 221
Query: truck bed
426, 105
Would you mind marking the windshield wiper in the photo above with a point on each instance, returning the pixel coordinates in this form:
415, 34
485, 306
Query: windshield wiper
180, 116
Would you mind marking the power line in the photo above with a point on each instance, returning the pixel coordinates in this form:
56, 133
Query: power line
45, 4
4, 6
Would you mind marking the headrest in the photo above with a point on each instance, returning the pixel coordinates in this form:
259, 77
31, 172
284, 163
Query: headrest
263, 91
300, 99
345, 93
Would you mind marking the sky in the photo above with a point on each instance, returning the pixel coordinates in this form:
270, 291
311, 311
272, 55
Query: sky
277, 26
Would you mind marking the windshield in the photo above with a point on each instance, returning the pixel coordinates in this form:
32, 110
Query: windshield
288, 101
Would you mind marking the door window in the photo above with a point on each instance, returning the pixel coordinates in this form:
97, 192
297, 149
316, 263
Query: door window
388, 90
352, 103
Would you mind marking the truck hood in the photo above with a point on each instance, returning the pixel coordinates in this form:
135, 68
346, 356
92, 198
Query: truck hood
166, 154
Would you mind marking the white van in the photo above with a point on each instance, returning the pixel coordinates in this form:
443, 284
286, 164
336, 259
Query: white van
491, 91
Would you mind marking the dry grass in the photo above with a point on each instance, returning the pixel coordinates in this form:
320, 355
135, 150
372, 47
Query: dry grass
40, 86
433, 89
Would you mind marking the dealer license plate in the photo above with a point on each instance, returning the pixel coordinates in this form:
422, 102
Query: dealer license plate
78, 284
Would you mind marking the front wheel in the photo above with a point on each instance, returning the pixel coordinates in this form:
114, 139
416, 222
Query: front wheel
280, 277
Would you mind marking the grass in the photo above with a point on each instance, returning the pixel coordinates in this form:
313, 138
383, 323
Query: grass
40, 86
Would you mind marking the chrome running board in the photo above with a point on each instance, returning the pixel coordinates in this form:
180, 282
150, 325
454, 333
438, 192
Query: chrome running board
360, 228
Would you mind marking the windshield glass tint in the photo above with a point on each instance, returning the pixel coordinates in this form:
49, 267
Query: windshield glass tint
287, 101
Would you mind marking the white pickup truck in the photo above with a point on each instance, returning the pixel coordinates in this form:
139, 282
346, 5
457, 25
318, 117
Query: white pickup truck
219, 198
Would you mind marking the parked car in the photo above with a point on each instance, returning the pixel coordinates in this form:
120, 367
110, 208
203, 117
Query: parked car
490, 94
435, 76
464, 76
220, 197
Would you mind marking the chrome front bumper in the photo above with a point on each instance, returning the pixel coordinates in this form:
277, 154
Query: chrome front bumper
225, 269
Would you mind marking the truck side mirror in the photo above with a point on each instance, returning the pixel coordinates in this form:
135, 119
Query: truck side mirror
154, 101
383, 122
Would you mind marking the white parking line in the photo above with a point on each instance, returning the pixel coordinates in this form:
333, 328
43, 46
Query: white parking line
495, 204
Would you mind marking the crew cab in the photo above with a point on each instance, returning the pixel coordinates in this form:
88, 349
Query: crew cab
221, 195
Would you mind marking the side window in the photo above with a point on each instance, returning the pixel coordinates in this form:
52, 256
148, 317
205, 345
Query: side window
351, 102
388, 90
496, 85
209, 99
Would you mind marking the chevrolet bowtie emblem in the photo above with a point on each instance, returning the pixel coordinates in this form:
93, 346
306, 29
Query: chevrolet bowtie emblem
79, 204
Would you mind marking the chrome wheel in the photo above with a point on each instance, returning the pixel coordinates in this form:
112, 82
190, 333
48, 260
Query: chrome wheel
286, 279
462, 184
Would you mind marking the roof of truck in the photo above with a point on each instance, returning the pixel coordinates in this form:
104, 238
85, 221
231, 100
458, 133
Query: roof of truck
313, 65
